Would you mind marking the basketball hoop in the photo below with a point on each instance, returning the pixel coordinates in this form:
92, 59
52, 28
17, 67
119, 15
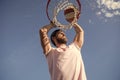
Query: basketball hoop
71, 13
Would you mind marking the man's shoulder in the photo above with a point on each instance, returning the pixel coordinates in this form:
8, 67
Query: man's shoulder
74, 45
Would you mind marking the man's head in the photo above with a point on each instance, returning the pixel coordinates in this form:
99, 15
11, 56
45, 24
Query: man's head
58, 37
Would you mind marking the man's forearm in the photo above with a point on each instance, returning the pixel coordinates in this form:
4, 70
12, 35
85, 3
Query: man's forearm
44, 33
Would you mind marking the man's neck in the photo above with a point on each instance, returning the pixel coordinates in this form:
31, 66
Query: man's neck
61, 45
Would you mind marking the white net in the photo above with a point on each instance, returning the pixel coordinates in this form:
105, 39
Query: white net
61, 6
56, 13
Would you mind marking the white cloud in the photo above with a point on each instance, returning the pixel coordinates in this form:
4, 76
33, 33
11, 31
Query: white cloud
98, 13
109, 14
117, 13
109, 8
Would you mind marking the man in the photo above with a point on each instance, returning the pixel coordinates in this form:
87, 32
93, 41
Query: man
65, 61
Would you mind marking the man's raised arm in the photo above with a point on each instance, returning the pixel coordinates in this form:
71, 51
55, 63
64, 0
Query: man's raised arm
45, 41
79, 37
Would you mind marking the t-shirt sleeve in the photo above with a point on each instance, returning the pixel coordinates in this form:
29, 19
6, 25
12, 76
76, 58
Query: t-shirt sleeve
50, 54
49, 59
76, 46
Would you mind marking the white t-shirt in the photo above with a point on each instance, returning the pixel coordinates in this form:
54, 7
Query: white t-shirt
65, 63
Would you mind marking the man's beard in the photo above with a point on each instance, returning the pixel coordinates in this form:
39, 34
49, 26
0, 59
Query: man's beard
61, 40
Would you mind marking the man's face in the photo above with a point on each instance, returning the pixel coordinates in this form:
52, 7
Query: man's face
61, 37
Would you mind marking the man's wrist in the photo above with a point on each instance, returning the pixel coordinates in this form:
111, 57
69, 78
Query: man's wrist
52, 24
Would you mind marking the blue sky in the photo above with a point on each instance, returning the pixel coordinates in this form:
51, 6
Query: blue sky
21, 56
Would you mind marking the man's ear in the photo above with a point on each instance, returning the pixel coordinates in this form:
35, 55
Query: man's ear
53, 38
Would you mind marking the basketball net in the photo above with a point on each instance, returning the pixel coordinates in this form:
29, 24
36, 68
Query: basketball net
63, 5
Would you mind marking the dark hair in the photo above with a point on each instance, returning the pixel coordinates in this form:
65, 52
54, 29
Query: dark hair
53, 35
